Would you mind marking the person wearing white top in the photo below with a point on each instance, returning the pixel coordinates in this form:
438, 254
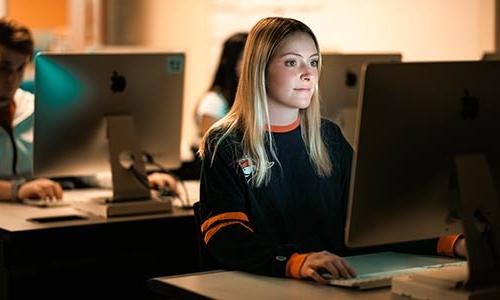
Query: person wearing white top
22, 132
218, 100
16, 119
213, 105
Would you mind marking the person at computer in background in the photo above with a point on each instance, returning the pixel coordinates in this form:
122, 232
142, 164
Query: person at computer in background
16, 122
16, 118
220, 97
275, 176
217, 101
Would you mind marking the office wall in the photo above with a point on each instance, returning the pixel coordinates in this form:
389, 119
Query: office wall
125, 22
48, 20
184, 26
39, 14
421, 30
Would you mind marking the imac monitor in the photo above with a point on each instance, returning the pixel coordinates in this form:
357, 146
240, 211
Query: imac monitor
339, 86
99, 112
414, 119
340, 78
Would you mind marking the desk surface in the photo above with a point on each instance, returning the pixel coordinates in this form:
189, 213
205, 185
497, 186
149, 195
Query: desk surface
240, 285
111, 257
14, 217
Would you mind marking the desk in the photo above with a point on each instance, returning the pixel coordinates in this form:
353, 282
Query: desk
93, 258
240, 285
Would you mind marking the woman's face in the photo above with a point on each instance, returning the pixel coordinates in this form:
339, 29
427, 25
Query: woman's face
292, 74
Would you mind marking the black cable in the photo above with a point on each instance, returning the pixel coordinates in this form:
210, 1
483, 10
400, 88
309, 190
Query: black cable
138, 175
14, 151
184, 202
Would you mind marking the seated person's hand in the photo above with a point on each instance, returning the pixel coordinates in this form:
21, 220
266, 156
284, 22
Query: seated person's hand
40, 189
317, 263
161, 180
460, 247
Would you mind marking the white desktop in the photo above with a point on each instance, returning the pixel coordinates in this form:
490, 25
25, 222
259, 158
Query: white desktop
426, 165
107, 112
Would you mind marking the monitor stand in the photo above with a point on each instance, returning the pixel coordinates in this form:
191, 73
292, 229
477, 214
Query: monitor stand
130, 196
480, 278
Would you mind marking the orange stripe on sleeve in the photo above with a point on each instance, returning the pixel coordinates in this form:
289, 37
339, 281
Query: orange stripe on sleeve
294, 265
224, 216
218, 227
446, 244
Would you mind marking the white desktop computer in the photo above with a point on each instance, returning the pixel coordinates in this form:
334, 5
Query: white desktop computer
101, 112
427, 164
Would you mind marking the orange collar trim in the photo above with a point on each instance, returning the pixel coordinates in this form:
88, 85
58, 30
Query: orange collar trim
285, 128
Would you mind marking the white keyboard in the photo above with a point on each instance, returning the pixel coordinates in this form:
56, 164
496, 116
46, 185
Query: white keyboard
363, 283
371, 281
46, 202
70, 197
384, 279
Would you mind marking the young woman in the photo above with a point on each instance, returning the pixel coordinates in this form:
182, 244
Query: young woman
275, 175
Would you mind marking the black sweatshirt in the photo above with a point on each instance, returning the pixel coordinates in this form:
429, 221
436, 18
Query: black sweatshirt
258, 229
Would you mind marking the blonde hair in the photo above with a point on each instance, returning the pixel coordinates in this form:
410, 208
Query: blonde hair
250, 113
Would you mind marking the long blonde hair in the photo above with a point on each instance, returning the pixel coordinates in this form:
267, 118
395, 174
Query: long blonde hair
250, 113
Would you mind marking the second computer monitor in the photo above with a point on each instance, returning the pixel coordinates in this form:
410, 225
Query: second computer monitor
339, 85
415, 119
90, 107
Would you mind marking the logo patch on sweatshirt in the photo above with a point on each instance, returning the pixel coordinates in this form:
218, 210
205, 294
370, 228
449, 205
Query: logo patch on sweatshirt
247, 168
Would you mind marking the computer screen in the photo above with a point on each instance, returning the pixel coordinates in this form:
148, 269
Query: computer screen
339, 86
413, 120
93, 110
